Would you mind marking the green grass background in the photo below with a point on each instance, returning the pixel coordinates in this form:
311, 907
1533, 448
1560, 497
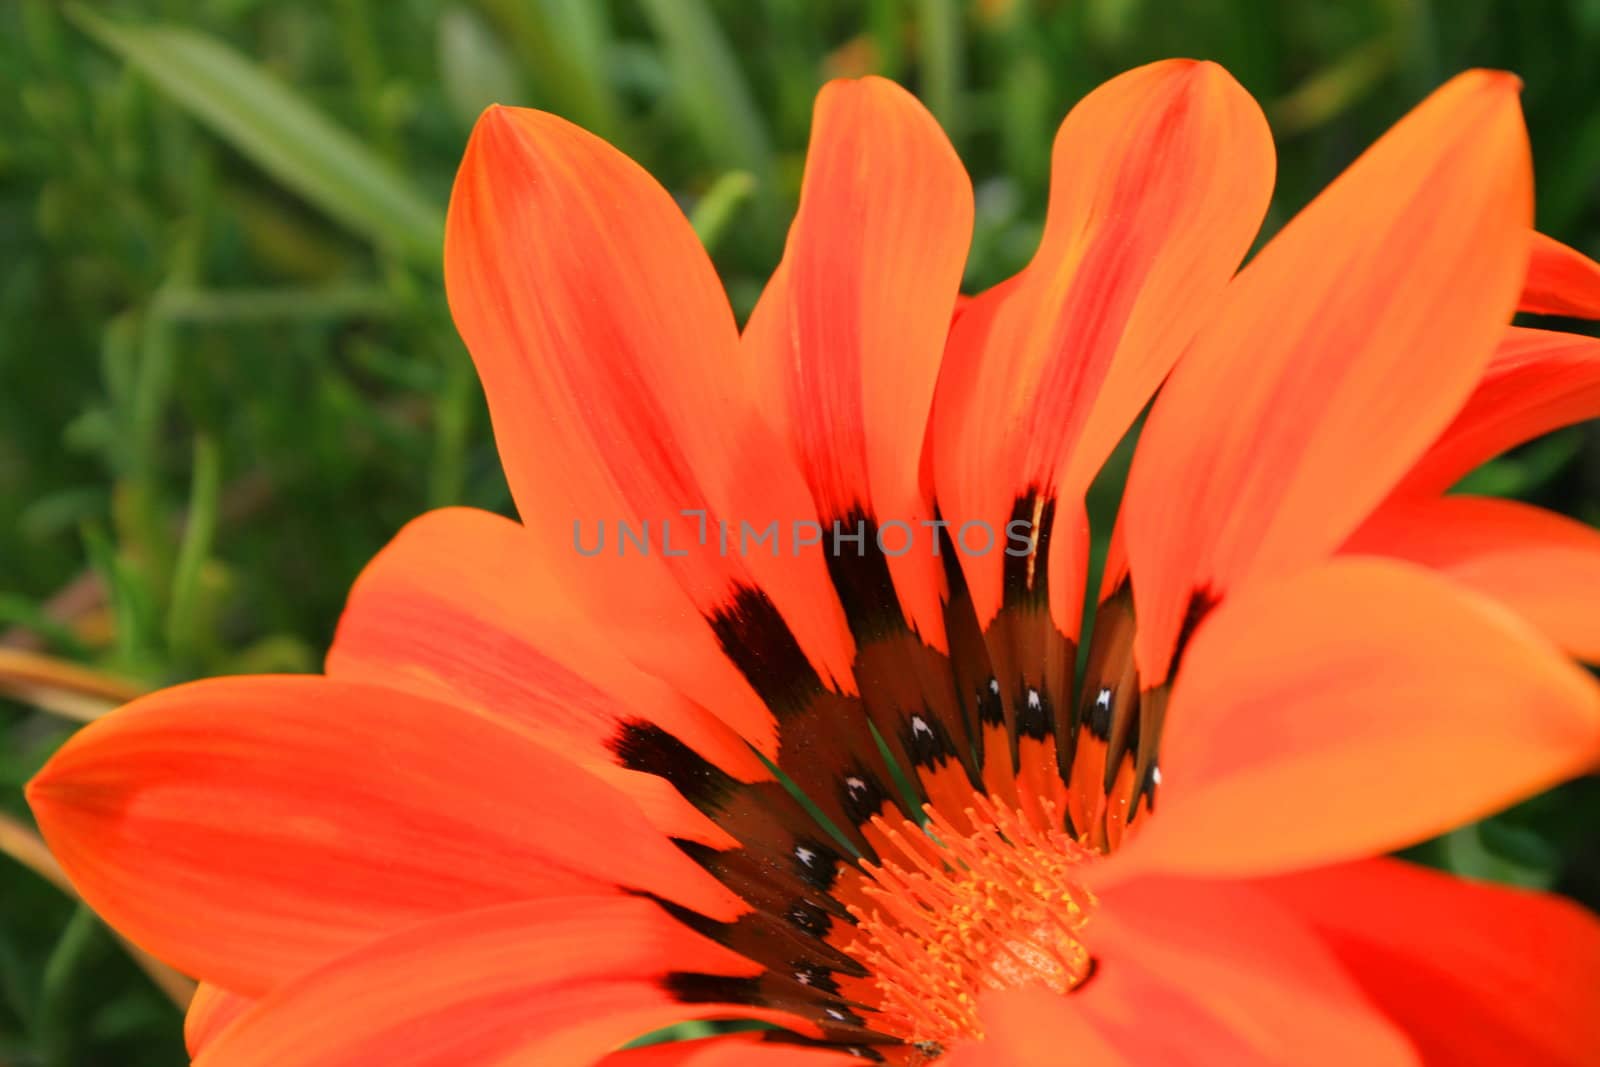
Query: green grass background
227, 374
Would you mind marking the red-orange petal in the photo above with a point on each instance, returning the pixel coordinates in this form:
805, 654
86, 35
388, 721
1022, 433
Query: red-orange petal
1194, 974
1543, 566
1560, 281
1334, 359
247, 829
850, 332
556, 983
1477, 975
452, 609
1538, 381
1160, 179
209, 1013
1033, 1027
1354, 708
610, 360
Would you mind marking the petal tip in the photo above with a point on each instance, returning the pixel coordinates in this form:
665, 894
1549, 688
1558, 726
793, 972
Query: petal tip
1501, 81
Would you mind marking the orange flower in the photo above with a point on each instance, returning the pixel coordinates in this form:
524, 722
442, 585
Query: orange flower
535, 809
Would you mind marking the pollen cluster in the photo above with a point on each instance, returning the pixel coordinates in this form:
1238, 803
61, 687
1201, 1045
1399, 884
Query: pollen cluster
960, 911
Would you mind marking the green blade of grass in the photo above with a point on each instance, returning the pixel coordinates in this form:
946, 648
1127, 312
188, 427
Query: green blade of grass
939, 38
279, 131
715, 96
717, 208
564, 45
184, 626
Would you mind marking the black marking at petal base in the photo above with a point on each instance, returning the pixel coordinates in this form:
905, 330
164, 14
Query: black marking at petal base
838, 1013
691, 987
752, 932
756, 638
863, 582
865, 1053
1035, 714
991, 709
814, 976
926, 739
644, 746
1147, 785
1101, 711
1015, 573
1201, 601
1091, 975
861, 794
816, 863
949, 555
808, 918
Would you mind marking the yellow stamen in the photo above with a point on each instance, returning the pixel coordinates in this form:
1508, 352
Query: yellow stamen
958, 912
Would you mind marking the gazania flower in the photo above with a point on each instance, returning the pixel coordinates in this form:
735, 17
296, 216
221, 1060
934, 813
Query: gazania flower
540, 804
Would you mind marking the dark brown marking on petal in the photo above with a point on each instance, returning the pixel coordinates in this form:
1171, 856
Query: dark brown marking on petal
824, 737
809, 918
815, 862
1201, 601
1035, 714
644, 746
926, 738
839, 1020
769, 939
897, 672
756, 638
1026, 579
860, 573
864, 1053
763, 883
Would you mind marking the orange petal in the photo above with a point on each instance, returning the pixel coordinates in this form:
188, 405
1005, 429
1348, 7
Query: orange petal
1477, 975
1353, 708
1337, 355
1160, 179
452, 609
246, 829
1543, 566
1560, 281
556, 983
1194, 974
851, 330
1030, 1027
209, 1013
610, 360
1538, 381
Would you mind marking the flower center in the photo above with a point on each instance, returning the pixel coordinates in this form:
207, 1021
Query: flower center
961, 911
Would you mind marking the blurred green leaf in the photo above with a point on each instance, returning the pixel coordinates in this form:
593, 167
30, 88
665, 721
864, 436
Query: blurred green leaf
335, 302
58, 1034
1331, 91
185, 623
277, 129
1467, 852
565, 47
1525, 470
717, 208
939, 35
713, 91
474, 69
